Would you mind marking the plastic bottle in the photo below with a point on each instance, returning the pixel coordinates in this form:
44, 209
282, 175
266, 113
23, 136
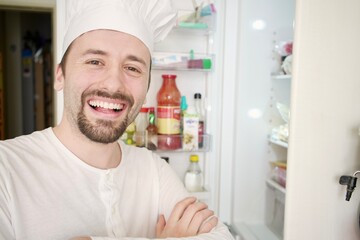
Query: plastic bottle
141, 123
151, 141
200, 110
183, 107
168, 114
190, 129
193, 176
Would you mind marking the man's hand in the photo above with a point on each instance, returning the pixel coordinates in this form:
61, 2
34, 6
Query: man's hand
188, 218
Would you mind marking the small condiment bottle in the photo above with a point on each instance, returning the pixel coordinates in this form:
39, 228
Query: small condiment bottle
151, 132
193, 176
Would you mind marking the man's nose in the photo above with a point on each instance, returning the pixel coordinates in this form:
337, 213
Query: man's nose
114, 79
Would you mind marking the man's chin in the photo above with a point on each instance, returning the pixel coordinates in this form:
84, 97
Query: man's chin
101, 131
104, 137
102, 134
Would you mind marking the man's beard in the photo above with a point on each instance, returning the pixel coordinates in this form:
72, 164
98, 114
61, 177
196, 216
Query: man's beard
103, 131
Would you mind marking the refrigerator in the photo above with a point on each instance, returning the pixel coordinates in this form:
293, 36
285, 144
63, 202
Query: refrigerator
241, 92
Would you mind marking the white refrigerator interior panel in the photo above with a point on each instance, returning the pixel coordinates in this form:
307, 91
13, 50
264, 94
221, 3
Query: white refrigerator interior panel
256, 206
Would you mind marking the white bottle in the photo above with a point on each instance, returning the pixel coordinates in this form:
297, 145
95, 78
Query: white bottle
190, 129
193, 176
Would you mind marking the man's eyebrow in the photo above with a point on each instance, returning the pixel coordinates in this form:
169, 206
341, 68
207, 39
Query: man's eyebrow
94, 51
137, 59
101, 52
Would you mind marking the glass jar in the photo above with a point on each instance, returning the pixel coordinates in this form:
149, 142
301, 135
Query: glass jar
168, 114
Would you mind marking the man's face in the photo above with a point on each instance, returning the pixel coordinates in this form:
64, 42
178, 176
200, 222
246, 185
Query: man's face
105, 83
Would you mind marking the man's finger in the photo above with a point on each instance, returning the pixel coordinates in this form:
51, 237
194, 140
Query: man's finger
198, 220
191, 211
160, 225
208, 225
179, 209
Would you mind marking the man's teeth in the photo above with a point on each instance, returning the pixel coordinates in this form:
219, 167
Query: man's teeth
113, 106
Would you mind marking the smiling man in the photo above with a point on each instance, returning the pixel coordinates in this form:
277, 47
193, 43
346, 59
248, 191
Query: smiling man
77, 180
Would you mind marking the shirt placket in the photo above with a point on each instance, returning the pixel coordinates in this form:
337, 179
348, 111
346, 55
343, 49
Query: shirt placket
110, 195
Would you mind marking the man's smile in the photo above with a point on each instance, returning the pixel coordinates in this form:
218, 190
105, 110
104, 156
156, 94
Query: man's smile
102, 105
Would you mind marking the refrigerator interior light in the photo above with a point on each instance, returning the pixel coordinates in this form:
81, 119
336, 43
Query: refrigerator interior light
255, 113
259, 24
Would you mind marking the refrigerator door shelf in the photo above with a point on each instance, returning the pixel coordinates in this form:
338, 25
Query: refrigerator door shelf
182, 61
253, 232
279, 190
278, 142
286, 77
205, 140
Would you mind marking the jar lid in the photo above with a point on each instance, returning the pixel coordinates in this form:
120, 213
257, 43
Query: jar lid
194, 158
183, 104
144, 109
207, 64
172, 76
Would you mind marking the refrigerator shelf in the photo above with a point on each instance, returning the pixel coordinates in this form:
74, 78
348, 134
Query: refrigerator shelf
254, 232
171, 143
177, 144
182, 61
203, 26
279, 77
276, 186
170, 68
278, 142
202, 30
280, 191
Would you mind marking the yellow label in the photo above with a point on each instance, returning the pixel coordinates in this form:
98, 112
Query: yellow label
168, 120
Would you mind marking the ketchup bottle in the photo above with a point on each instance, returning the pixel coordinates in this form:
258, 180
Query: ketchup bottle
168, 114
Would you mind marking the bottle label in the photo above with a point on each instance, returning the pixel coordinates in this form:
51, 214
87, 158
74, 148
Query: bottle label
151, 140
190, 132
168, 118
201, 134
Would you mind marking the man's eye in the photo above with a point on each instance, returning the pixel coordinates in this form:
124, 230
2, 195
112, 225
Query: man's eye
133, 69
94, 62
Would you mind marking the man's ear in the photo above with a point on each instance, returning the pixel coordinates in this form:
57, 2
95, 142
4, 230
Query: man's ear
59, 78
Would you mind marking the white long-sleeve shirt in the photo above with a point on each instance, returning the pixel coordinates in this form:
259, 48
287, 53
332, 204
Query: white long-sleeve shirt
46, 192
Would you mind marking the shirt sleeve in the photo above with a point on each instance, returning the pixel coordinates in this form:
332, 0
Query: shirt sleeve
6, 230
172, 190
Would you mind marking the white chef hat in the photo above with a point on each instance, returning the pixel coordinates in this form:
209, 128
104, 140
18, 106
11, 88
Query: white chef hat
148, 20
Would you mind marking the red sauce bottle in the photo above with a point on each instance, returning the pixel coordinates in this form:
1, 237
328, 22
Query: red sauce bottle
168, 114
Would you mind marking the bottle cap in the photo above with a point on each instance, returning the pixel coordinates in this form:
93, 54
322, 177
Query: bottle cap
206, 63
194, 158
183, 104
144, 109
171, 76
197, 95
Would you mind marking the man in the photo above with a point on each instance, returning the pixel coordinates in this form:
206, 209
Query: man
77, 180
